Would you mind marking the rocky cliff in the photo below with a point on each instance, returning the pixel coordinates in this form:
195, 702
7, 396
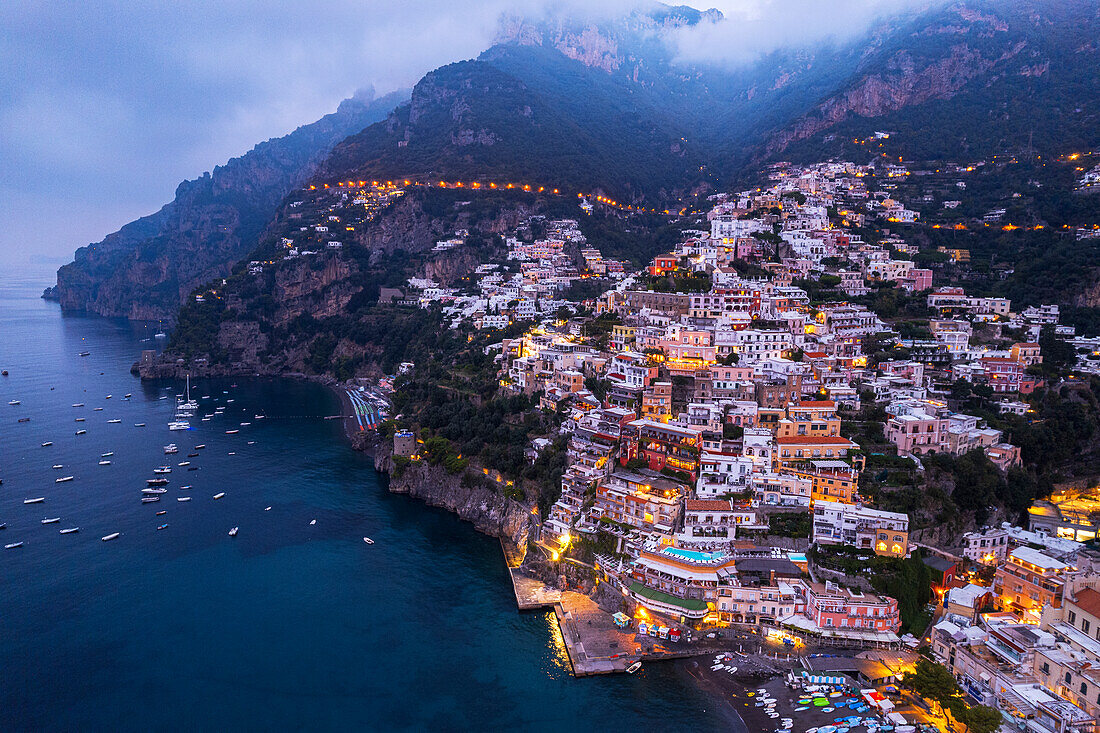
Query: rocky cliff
144, 270
490, 512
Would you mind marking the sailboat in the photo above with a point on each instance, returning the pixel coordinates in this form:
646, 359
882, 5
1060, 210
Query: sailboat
188, 404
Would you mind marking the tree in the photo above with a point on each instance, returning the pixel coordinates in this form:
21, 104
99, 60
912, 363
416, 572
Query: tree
981, 719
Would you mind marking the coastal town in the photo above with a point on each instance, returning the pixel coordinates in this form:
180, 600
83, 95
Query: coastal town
733, 418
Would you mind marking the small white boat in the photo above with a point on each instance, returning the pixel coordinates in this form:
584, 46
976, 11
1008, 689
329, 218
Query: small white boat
57, 466
267, 508
70, 530
108, 397
81, 432
78, 404
185, 488
161, 513
368, 540
179, 425
312, 522
219, 495
13, 545
112, 422
232, 432
161, 526
13, 403
109, 537
200, 446
79, 419
139, 425
105, 463
252, 442
108, 454
259, 417
183, 498
63, 479
170, 449
245, 424
233, 532
127, 396
47, 444
163, 469
51, 520
97, 409
184, 463
149, 499
153, 492
38, 500
634, 668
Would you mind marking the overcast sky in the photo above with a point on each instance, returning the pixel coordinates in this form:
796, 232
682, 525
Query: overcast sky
106, 106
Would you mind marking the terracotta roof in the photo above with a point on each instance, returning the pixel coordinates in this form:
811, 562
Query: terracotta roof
815, 403
1088, 600
707, 505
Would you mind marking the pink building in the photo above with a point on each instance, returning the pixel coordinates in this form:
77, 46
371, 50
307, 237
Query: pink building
829, 606
917, 280
917, 433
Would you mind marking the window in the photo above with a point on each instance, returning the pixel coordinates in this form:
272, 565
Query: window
1072, 617
1069, 678
1085, 625
1084, 688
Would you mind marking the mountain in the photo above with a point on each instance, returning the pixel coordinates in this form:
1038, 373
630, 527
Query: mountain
975, 79
145, 270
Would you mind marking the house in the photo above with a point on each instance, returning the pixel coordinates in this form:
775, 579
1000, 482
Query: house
886, 533
1029, 581
647, 501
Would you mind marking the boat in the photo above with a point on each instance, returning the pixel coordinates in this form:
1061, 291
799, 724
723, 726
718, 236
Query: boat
160, 335
38, 500
112, 536
161, 513
108, 454
219, 495
634, 668
206, 419
163, 469
112, 422
51, 520
13, 403
267, 508
183, 498
232, 432
84, 353
192, 455
63, 479
13, 545
161, 526
81, 432
231, 453
78, 404
368, 540
149, 499
105, 463
200, 447
184, 463
245, 424
108, 397
252, 442
156, 482
139, 425
47, 444
312, 522
170, 449
229, 400
154, 491
179, 425
58, 465
127, 396
233, 532
259, 417
188, 404
24, 419
3, 525
70, 530
97, 409
79, 419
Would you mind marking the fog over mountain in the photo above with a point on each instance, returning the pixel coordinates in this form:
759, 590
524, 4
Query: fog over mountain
103, 111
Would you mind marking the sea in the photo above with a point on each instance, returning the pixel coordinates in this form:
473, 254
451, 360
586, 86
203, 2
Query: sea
295, 623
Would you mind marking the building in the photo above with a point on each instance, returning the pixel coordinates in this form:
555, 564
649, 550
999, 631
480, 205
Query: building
662, 445
646, 501
798, 449
1029, 580
988, 547
887, 533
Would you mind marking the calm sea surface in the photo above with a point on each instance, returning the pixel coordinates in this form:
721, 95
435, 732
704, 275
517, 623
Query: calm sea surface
288, 626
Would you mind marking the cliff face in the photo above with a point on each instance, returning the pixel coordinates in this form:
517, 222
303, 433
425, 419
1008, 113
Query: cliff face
488, 511
148, 267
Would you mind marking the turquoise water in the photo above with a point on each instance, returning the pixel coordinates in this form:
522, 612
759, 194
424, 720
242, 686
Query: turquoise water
287, 626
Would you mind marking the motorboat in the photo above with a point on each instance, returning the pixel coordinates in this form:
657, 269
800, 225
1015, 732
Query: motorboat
47, 444
634, 668
70, 530
97, 409
108, 397
156, 482
267, 508
139, 425
170, 449
51, 520
245, 424
183, 498
185, 488
154, 491
368, 540
13, 545
81, 432
179, 425
200, 446
63, 479
160, 335
79, 419
13, 403
57, 465
252, 442
184, 463
37, 500
78, 404
105, 463
219, 495
127, 396
192, 455
163, 469
232, 432
112, 422
312, 522
84, 353
161, 526
233, 532
149, 499
24, 419
109, 537
161, 513
259, 417
108, 454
